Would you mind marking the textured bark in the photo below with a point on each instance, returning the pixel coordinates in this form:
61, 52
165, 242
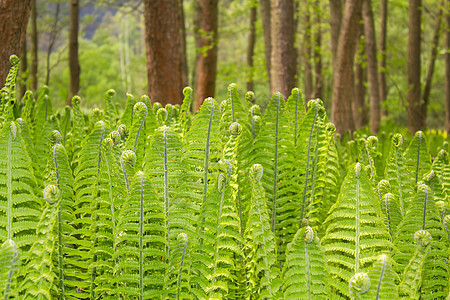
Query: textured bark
251, 48
317, 51
307, 51
165, 46
13, 25
74, 65
359, 107
430, 71
283, 60
207, 63
414, 108
447, 69
335, 26
33, 47
382, 53
372, 64
341, 108
265, 18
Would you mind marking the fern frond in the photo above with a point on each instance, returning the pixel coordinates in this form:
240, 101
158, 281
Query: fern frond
418, 159
8, 263
185, 116
382, 280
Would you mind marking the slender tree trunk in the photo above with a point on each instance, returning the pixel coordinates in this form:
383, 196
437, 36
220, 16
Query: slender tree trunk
197, 38
335, 26
342, 76
317, 51
359, 107
34, 47
382, 53
371, 51
74, 65
53, 35
13, 26
447, 69
207, 63
283, 60
23, 68
429, 79
307, 51
266, 23
166, 59
414, 107
251, 47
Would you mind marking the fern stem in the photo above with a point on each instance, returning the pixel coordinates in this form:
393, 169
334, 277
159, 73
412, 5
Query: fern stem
313, 185
418, 156
139, 131
308, 275
10, 202
425, 207
305, 189
381, 277
181, 269
60, 242
296, 119
208, 137
357, 223
166, 189
388, 215
399, 180
10, 273
141, 242
274, 202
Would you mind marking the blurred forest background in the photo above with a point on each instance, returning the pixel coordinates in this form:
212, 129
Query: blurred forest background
399, 42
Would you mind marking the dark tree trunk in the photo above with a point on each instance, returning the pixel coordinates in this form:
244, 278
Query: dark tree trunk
266, 24
359, 107
165, 45
382, 50
74, 65
13, 26
335, 26
318, 51
283, 60
34, 47
23, 68
429, 79
343, 74
307, 51
251, 47
414, 107
447, 69
371, 51
207, 63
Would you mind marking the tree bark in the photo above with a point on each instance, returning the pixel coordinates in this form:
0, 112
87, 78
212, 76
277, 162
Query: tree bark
74, 65
359, 107
251, 47
371, 51
317, 51
342, 75
52, 38
447, 69
335, 26
414, 107
429, 79
283, 60
13, 26
307, 51
207, 63
165, 46
382, 53
266, 24
34, 47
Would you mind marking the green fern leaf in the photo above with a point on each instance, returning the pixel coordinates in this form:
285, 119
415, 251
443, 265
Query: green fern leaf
418, 159
8, 263
382, 280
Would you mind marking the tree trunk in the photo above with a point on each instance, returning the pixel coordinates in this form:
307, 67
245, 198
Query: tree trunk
13, 26
165, 46
429, 79
283, 60
447, 69
51, 44
74, 65
371, 51
318, 51
342, 75
251, 47
266, 24
359, 107
414, 107
34, 47
207, 63
307, 51
23, 68
382, 53
197, 39
335, 26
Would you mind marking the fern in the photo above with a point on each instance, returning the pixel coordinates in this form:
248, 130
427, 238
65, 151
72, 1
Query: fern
355, 233
177, 278
305, 272
136, 138
7, 93
418, 160
382, 280
185, 117
128, 114
8, 262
